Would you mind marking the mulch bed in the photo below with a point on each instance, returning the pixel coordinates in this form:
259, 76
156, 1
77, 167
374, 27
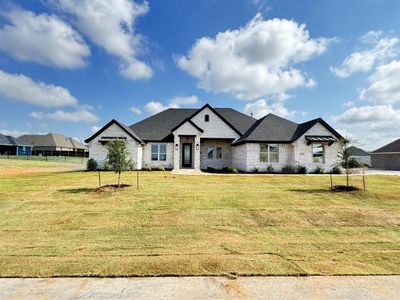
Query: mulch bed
345, 188
112, 187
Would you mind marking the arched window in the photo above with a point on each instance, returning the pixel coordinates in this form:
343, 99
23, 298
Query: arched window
206, 118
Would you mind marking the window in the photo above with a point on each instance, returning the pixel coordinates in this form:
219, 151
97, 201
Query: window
219, 153
269, 153
210, 153
159, 152
206, 118
318, 153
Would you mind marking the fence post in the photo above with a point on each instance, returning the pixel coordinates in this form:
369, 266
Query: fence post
330, 175
98, 170
137, 179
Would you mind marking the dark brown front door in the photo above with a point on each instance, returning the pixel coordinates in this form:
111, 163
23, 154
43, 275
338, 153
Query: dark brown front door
186, 155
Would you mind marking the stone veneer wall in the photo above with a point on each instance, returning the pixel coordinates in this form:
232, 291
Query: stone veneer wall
303, 152
225, 161
168, 164
99, 151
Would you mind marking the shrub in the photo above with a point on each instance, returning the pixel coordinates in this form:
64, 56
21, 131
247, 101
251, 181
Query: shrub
161, 169
91, 164
318, 170
288, 170
336, 170
255, 170
230, 170
353, 163
146, 168
270, 169
210, 169
301, 170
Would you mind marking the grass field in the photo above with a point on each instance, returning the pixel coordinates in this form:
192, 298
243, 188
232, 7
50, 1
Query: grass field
57, 224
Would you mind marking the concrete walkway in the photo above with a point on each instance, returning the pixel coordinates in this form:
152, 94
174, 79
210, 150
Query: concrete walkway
350, 287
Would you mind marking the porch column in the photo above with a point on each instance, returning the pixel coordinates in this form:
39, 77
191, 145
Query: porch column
197, 152
176, 152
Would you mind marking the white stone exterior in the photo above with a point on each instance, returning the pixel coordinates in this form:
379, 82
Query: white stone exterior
303, 152
217, 134
216, 163
167, 164
215, 127
98, 151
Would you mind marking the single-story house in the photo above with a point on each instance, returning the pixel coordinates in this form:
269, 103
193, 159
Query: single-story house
210, 137
54, 144
13, 146
387, 157
360, 155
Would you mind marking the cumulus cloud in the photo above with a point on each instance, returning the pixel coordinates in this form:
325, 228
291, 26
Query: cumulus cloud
81, 114
380, 49
111, 25
43, 39
262, 107
255, 60
94, 129
372, 125
136, 110
21, 88
154, 107
384, 84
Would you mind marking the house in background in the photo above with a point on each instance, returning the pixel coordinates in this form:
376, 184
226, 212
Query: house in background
387, 157
180, 138
10, 145
54, 144
360, 155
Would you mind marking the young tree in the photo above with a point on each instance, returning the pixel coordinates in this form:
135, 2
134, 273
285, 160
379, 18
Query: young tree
345, 157
118, 158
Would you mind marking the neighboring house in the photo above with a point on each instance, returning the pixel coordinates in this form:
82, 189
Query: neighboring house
220, 137
13, 146
360, 155
387, 157
54, 144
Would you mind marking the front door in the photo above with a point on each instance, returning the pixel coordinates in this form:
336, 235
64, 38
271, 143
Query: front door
186, 155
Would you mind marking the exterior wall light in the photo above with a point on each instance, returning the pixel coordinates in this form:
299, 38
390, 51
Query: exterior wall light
176, 146
197, 146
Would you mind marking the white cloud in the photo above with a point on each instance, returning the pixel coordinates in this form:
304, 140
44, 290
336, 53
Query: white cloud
373, 126
261, 107
362, 61
21, 88
179, 101
94, 129
111, 25
136, 110
255, 60
43, 39
369, 114
81, 114
13, 132
154, 107
384, 85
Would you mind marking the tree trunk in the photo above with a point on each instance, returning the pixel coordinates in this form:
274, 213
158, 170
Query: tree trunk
119, 178
347, 178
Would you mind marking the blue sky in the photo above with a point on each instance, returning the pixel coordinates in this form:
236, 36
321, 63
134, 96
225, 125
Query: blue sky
70, 66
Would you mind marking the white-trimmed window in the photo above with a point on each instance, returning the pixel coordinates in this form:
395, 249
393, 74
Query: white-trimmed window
318, 153
210, 153
219, 153
269, 153
158, 152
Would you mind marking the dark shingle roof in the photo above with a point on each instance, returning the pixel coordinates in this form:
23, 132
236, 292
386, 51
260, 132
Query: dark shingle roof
391, 147
8, 140
159, 126
270, 128
357, 151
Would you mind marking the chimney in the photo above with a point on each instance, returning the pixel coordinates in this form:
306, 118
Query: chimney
251, 114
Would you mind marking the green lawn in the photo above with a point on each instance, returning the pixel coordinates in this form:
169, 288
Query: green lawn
56, 224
